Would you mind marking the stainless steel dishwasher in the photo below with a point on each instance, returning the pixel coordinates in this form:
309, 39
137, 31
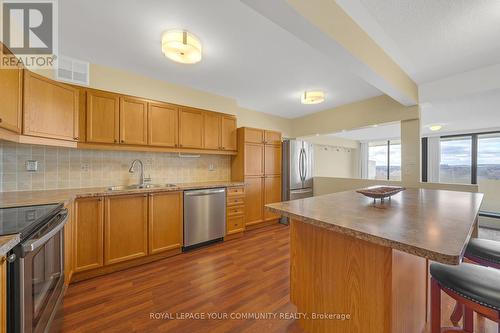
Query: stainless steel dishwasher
204, 216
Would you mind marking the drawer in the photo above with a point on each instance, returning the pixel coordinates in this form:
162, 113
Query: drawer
235, 223
232, 191
235, 201
235, 211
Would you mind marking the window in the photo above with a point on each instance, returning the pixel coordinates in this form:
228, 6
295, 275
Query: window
488, 157
456, 160
384, 160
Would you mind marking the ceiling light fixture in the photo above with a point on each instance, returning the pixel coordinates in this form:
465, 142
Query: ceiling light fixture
181, 46
312, 97
435, 128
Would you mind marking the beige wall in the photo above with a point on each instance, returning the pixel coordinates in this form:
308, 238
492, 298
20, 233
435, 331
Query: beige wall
335, 161
124, 82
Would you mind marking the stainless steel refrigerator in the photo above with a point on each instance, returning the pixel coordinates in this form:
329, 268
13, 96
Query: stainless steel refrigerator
297, 173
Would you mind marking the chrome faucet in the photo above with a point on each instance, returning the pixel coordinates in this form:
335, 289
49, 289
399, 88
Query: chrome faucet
141, 177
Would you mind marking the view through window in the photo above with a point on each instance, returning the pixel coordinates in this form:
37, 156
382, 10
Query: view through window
456, 160
384, 160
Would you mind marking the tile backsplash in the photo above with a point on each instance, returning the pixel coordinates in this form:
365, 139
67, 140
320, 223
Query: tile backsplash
60, 168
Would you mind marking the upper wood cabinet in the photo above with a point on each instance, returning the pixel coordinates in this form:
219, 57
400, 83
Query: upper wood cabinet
133, 121
165, 221
125, 228
103, 113
11, 88
254, 159
163, 125
253, 135
190, 128
228, 133
211, 130
272, 138
88, 234
50, 108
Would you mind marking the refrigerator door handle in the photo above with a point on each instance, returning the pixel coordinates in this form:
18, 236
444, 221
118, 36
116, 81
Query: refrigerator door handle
301, 164
305, 165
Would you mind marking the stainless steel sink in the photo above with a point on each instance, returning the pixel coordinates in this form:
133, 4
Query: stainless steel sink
138, 187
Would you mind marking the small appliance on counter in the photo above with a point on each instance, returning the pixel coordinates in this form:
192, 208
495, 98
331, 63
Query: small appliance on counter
35, 271
297, 170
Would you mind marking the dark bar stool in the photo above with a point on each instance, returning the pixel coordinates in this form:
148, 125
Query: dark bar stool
474, 287
482, 252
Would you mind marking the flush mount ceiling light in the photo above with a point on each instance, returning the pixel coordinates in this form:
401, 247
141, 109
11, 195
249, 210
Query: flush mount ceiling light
312, 97
181, 46
435, 127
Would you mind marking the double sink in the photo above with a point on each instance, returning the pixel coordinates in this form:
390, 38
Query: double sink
139, 187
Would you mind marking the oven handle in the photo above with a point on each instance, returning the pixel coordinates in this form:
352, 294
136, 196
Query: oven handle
34, 244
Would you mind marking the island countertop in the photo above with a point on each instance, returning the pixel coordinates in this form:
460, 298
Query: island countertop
434, 224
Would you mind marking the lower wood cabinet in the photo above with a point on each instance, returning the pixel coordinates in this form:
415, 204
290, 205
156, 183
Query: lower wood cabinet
272, 194
165, 222
254, 200
125, 228
88, 234
235, 215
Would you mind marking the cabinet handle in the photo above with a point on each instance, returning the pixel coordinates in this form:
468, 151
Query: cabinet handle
76, 138
115, 140
180, 145
1, 120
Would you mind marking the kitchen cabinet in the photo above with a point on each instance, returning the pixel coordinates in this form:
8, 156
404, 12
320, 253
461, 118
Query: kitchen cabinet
254, 200
11, 92
258, 164
190, 128
254, 159
50, 108
125, 228
68, 244
272, 138
163, 126
211, 130
165, 221
103, 113
253, 135
272, 160
272, 194
88, 234
133, 121
228, 133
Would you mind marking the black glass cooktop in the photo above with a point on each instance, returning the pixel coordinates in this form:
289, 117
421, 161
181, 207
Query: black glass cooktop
25, 220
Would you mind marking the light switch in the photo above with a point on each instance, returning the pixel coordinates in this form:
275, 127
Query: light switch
31, 165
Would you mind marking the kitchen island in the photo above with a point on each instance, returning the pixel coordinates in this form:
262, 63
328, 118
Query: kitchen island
357, 266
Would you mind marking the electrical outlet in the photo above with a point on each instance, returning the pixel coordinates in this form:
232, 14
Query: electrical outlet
31, 165
84, 167
211, 167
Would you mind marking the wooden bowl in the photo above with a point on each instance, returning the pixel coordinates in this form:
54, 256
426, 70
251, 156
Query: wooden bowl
381, 192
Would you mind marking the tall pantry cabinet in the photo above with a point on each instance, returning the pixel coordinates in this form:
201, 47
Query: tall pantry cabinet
258, 164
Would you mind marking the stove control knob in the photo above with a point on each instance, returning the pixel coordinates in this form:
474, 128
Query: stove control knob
11, 258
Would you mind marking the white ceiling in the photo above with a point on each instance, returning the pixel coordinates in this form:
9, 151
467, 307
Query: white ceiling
432, 39
387, 131
245, 56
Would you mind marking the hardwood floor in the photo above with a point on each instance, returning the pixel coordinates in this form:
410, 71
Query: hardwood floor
248, 275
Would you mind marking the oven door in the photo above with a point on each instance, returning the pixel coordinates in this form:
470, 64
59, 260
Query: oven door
42, 275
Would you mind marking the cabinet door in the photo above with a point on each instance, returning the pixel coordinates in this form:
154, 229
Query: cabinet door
254, 200
165, 222
228, 133
272, 160
272, 194
126, 228
11, 89
272, 138
50, 108
163, 125
103, 113
133, 121
211, 130
254, 135
254, 159
88, 234
190, 128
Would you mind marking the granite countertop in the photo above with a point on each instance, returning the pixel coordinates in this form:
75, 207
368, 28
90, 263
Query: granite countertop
433, 224
25, 198
7, 243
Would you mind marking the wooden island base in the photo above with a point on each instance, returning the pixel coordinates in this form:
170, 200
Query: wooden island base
381, 289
